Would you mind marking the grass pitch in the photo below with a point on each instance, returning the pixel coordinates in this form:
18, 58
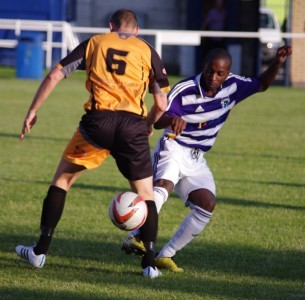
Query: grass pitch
253, 247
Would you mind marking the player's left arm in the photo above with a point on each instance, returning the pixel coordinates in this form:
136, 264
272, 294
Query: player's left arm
268, 76
158, 87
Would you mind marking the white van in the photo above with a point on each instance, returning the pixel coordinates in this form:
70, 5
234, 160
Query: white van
270, 34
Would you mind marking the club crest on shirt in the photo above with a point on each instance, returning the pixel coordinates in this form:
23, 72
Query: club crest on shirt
225, 102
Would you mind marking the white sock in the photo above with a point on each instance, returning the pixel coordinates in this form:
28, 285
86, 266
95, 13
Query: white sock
192, 225
160, 195
134, 232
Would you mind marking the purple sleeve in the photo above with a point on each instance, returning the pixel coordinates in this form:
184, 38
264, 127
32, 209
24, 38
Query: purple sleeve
246, 87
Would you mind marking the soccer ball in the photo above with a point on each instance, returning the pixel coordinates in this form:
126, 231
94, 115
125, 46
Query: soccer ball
128, 211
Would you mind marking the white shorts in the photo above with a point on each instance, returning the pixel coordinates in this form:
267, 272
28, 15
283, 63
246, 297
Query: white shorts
184, 167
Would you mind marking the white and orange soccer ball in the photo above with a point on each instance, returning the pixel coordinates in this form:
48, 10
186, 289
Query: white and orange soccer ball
128, 211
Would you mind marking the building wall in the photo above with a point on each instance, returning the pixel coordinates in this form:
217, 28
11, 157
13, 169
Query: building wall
176, 14
298, 45
157, 14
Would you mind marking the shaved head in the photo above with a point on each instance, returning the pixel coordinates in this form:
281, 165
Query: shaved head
218, 54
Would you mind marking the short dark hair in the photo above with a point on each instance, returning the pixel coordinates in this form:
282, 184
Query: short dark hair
217, 53
124, 17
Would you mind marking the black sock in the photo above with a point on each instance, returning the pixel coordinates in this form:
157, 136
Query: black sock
53, 206
148, 234
42, 244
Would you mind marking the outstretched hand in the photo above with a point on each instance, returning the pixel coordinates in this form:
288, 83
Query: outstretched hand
28, 123
282, 53
268, 76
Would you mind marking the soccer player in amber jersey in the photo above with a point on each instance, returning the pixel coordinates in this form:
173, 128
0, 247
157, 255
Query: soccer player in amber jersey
197, 109
120, 69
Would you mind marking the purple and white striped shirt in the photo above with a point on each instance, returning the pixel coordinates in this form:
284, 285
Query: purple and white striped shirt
206, 115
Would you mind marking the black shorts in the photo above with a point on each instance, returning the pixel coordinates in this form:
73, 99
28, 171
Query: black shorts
125, 135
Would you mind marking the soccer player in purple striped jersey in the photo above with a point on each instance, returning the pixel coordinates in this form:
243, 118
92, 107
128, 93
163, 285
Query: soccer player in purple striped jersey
197, 109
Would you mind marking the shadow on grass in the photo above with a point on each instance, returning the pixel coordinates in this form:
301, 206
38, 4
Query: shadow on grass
260, 155
17, 135
116, 189
244, 202
253, 203
179, 287
81, 186
214, 270
212, 153
286, 184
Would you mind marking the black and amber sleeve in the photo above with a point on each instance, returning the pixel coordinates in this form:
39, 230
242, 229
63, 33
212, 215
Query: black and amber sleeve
76, 60
158, 73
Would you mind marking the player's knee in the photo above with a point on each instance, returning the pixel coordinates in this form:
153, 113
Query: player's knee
204, 199
210, 204
207, 204
166, 184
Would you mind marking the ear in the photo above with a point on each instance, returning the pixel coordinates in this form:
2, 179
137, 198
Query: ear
137, 30
111, 27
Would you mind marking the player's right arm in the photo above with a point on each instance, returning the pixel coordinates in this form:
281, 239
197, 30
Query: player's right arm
44, 90
73, 61
175, 123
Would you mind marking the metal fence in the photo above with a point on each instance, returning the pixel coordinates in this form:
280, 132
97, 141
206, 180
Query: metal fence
69, 35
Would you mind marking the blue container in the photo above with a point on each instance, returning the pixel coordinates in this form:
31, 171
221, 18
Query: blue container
30, 55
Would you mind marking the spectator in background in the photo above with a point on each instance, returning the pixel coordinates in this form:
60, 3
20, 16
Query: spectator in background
214, 21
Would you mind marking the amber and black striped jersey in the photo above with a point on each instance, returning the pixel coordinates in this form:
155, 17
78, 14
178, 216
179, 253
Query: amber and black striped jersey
120, 69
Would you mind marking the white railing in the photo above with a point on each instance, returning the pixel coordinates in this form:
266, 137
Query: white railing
68, 41
69, 35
